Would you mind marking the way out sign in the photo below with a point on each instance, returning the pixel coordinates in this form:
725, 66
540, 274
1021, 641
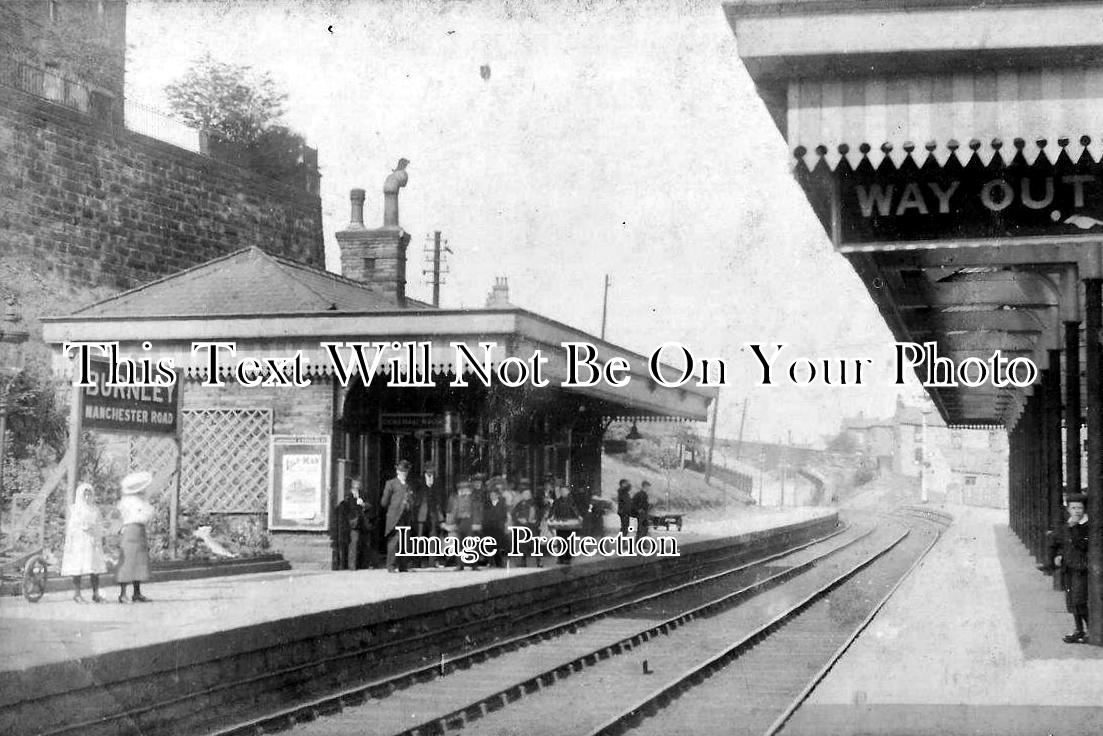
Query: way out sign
132, 409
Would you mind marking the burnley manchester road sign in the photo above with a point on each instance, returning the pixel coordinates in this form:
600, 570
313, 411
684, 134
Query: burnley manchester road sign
127, 408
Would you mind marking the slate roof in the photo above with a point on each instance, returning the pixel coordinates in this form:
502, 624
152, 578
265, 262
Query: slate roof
247, 281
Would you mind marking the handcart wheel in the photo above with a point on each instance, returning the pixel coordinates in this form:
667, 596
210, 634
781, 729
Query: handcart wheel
34, 579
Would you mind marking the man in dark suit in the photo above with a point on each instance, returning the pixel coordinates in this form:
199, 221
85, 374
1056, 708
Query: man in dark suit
624, 505
641, 509
428, 507
397, 503
352, 527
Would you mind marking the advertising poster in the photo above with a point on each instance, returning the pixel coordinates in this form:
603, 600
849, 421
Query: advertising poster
299, 497
552, 367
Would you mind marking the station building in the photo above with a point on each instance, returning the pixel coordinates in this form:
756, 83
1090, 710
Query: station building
952, 151
244, 448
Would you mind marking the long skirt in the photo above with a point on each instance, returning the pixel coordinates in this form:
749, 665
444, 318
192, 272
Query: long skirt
134, 560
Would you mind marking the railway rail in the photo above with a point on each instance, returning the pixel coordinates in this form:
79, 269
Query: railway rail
245, 684
745, 658
719, 589
755, 684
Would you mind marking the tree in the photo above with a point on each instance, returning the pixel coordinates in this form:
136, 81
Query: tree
843, 442
232, 100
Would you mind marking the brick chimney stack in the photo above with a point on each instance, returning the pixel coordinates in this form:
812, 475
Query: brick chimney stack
499, 293
377, 257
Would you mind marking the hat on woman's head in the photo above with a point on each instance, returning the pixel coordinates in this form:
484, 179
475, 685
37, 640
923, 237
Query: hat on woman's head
136, 482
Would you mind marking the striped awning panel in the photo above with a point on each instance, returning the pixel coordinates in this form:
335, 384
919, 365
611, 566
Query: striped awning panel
966, 114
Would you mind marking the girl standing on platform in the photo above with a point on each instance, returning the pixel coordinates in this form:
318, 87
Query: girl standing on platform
83, 553
136, 513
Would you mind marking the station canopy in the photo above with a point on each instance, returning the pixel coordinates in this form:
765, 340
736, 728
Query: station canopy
953, 153
271, 307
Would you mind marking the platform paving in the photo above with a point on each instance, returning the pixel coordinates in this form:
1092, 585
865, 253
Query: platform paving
56, 629
969, 644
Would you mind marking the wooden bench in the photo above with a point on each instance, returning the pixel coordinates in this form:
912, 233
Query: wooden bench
665, 520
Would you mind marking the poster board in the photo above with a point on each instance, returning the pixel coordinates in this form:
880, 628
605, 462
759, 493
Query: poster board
298, 491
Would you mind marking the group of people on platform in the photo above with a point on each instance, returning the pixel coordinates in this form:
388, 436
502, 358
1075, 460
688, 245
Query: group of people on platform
85, 534
478, 508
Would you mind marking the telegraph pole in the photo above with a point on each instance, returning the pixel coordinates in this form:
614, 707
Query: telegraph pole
712, 438
436, 268
605, 307
434, 259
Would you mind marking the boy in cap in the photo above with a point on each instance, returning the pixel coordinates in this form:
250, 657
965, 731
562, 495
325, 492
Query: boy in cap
1072, 556
397, 500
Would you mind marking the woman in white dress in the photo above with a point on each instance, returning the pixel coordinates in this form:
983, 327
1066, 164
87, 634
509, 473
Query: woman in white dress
83, 553
136, 513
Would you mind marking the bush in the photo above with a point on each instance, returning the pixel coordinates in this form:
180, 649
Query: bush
245, 535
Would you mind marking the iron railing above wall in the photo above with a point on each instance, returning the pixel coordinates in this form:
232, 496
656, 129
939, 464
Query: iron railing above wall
19, 69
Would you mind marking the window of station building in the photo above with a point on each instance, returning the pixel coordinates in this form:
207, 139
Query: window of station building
970, 480
956, 439
917, 432
918, 454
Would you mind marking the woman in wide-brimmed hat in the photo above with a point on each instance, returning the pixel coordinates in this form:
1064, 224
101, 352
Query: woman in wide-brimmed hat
83, 553
136, 512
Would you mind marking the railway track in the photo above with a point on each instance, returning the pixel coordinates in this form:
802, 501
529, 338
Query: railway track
738, 668
755, 683
573, 645
307, 666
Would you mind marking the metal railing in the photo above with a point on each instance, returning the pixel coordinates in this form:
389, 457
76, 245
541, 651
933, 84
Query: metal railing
150, 122
20, 69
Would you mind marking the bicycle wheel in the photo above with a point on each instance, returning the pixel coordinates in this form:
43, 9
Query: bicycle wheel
34, 579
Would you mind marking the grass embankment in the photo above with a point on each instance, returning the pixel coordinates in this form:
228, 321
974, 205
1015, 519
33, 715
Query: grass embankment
688, 490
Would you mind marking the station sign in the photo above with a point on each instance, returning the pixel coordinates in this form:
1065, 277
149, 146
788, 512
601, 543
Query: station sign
141, 410
409, 422
973, 205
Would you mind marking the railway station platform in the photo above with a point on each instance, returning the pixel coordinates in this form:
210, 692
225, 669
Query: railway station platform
969, 644
72, 668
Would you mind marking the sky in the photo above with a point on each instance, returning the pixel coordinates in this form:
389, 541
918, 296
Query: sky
619, 138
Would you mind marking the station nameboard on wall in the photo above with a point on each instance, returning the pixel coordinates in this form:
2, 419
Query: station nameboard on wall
408, 422
131, 409
890, 208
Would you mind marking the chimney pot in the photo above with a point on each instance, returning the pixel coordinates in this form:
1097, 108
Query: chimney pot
394, 181
356, 218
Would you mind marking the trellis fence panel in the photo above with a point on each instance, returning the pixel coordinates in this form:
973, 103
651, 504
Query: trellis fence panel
225, 463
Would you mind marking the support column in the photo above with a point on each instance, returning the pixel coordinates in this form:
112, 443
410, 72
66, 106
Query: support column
1014, 469
1034, 479
1073, 449
1094, 320
1055, 458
